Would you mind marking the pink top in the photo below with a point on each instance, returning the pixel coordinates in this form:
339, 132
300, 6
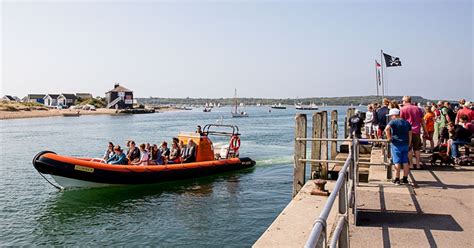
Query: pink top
414, 116
465, 111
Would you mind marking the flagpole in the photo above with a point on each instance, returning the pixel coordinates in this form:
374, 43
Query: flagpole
377, 80
383, 81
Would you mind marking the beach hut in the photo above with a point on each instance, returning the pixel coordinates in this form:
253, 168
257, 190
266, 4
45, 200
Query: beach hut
51, 100
119, 97
36, 98
8, 98
66, 100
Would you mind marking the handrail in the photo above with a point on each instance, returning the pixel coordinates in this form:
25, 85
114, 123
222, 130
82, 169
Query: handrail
320, 223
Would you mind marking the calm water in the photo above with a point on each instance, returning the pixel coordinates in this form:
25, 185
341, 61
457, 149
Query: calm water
231, 209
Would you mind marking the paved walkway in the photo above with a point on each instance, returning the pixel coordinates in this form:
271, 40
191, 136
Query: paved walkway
435, 210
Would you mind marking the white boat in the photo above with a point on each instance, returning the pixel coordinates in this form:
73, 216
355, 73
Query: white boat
236, 112
311, 106
278, 106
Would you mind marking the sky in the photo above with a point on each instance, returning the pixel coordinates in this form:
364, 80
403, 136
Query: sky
270, 49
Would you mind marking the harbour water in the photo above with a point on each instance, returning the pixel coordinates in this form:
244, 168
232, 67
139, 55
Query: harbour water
230, 210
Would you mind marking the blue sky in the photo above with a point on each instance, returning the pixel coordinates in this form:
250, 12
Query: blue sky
275, 49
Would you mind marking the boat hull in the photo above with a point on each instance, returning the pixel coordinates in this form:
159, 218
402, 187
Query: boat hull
79, 172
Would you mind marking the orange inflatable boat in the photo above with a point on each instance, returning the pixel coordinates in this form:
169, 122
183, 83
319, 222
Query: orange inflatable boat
89, 172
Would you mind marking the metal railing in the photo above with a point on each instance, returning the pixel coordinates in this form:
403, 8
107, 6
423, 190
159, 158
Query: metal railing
345, 191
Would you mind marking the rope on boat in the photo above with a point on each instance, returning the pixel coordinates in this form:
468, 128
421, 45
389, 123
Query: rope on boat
56, 186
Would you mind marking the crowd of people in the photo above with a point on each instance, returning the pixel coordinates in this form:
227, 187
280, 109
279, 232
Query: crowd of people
410, 127
146, 154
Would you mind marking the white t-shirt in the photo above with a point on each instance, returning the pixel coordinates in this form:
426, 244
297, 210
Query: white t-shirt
144, 158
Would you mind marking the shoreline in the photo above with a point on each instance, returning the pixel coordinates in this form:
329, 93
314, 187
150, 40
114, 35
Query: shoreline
24, 114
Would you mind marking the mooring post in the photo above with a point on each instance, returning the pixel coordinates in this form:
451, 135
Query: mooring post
316, 145
346, 124
334, 134
300, 153
324, 145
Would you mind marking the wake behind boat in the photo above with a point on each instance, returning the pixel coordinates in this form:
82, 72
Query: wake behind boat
70, 172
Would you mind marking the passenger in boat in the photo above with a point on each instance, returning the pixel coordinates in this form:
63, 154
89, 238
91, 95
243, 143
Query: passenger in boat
118, 157
133, 154
148, 148
199, 130
165, 151
144, 156
109, 152
190, 153
175, 152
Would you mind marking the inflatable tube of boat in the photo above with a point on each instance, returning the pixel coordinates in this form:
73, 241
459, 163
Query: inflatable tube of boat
82, 172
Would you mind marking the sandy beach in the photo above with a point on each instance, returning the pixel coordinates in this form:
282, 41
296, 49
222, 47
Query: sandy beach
4, 115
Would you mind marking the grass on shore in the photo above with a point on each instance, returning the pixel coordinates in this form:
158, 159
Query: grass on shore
21, 106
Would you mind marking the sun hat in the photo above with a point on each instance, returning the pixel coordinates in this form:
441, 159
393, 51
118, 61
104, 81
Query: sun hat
393, 111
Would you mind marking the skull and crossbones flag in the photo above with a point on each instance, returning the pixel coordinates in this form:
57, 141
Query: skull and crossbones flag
391, 61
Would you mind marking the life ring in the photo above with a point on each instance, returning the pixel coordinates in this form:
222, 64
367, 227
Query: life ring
235, 143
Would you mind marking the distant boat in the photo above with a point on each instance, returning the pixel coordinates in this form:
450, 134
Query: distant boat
279, 106
186, 108
72, 114
206, 109
311, 106
236, 112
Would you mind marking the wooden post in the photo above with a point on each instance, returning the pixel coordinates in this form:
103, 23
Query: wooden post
316, 146
324, 145
334, 134
346, 124
300, 153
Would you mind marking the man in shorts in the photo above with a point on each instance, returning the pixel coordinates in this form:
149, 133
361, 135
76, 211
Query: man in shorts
414, 116
399, 133
382, 117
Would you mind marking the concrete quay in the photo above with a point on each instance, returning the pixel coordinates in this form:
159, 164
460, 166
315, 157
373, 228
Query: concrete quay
434, 210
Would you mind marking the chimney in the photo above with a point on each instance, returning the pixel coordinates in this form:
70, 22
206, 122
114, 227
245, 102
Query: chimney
116, 85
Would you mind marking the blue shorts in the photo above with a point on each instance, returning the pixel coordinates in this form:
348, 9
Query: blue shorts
399, 154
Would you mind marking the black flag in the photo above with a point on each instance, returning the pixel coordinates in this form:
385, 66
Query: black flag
391, 61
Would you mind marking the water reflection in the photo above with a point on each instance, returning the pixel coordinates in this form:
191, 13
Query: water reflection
72, 212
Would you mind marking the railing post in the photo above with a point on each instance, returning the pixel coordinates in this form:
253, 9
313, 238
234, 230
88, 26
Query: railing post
385, 159
316, 146
355, 144
300, 153
324, 145
344, 237
334, 134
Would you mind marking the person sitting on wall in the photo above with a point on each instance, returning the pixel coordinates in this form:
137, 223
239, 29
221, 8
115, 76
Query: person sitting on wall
118, 157
190, 153
459, 136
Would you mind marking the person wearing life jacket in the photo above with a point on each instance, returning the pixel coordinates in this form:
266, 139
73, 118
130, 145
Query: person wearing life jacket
118, 157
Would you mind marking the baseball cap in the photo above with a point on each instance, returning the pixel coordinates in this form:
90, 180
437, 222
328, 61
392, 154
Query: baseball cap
393, 111
356, 111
